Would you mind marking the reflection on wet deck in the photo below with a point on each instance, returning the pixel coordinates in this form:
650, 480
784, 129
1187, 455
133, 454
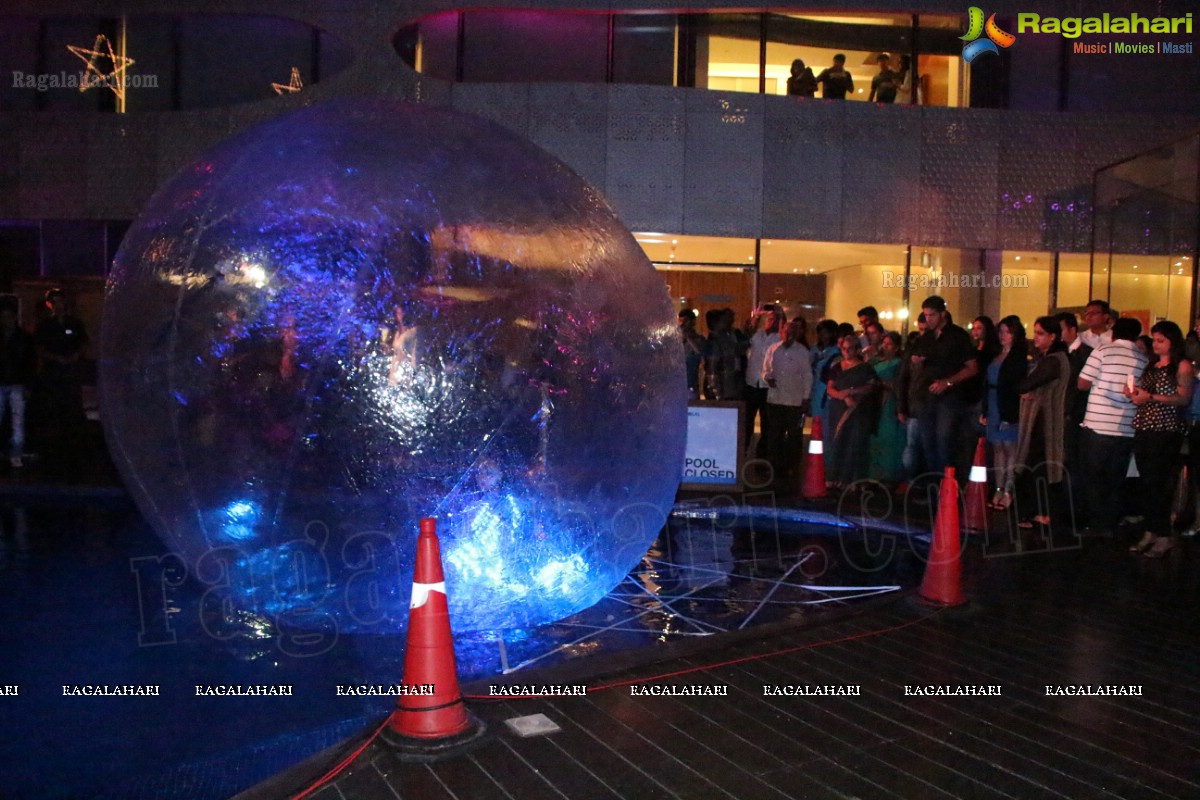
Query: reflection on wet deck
702, 578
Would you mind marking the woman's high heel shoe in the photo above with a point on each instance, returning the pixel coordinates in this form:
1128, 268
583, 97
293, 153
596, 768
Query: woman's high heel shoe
1143, 544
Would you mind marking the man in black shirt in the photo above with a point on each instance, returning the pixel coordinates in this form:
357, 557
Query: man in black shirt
884, 85
1076, 408
950, 371
835, 81
61, 340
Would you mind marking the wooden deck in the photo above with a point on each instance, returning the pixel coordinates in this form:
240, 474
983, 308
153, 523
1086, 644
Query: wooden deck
1093, 618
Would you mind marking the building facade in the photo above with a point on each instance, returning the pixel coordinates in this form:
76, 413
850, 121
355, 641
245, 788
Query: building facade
863, 202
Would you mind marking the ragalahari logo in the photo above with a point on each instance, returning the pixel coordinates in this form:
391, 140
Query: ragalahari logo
996, 38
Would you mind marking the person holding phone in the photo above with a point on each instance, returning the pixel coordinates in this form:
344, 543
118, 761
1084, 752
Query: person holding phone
787, 370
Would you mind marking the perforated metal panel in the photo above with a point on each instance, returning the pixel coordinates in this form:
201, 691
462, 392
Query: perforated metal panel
959, 161
181, 141
420, 89
723, 165
1037, 165
802, 168
52, 185
117, 180
665, 157
505, 103
881, 187
10, 201
644, 170
579, 137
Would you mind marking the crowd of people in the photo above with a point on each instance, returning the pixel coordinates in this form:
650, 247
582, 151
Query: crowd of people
887, 86
1087, 424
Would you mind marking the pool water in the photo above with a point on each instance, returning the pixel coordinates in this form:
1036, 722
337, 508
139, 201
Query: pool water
82, 602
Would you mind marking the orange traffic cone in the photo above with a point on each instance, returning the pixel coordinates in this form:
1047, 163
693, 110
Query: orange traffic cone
943, 572
814, 465
976, 505
430, 718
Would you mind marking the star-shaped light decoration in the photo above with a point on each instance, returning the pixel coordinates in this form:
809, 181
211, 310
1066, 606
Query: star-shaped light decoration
94, 78
293, 85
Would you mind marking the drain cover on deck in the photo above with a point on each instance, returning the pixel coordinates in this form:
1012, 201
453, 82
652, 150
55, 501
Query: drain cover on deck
532, 725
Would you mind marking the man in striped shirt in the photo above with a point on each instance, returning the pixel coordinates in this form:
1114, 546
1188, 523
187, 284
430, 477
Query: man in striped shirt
1107, 437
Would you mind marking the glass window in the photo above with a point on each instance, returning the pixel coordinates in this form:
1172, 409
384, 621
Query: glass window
819, 280
1074, 272
952, 274
815, 40
721, 51
20, 252
530, 47
1145, 244
644, 49
704, 272
185, 62
1025, 285
862, 38
223, 63
735, 52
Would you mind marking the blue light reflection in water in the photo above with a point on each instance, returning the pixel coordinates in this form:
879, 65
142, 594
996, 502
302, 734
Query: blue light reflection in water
240, 517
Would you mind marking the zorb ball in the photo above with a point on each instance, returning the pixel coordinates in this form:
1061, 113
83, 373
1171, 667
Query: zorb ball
368, 312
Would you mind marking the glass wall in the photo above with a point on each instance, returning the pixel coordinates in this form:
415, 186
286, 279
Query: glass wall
644, 49
815, 40
738, 52
164, 63
526, 47
57, 248
722, 51
706, 273
818, 280
1074, 281
1145, 237
1025, 278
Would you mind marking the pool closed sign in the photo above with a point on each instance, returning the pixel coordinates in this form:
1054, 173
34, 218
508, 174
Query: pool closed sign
711, 458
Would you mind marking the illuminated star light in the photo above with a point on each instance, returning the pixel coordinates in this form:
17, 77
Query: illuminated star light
114, 80
293, 85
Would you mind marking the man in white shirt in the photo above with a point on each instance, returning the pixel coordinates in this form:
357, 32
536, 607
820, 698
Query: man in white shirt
1098, 317
1106, 440
787, 370
767, 322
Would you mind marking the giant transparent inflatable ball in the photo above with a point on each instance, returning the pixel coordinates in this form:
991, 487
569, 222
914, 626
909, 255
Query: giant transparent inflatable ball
365, 313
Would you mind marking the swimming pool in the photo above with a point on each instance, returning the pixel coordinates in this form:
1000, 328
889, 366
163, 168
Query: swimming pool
83, 604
